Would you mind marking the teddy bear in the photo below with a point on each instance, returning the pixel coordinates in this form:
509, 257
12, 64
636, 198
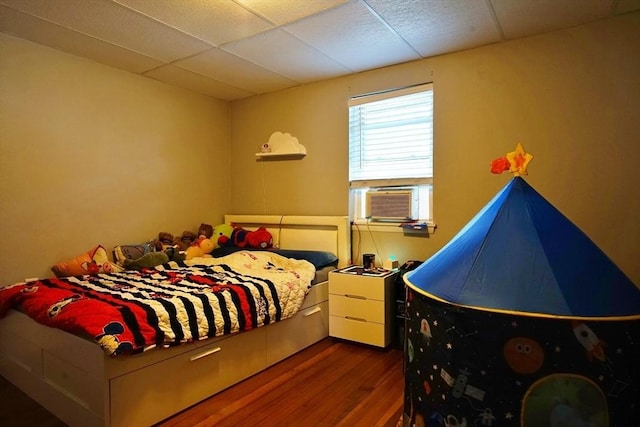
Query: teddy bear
205, 230
185, 240
164, 241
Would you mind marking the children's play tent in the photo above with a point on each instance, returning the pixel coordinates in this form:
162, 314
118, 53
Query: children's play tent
521, 320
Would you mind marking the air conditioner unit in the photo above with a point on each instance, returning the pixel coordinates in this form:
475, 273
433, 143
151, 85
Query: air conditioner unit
392, 205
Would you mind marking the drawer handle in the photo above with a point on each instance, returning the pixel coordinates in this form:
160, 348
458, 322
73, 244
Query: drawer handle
204, 354
314, 311
357, 319
355, 296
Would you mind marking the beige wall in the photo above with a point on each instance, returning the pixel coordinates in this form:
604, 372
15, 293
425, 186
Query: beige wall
90, 154
93, 155
571, 97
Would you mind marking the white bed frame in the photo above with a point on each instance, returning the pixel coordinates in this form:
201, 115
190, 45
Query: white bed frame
73, 378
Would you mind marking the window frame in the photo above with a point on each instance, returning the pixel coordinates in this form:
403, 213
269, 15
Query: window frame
424, 184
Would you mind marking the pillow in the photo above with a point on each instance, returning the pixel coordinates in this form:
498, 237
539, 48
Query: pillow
94, 261
131, 252
319, 259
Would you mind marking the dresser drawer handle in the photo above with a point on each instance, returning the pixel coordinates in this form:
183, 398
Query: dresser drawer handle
357, 319
204, 354
355, 296
314, 311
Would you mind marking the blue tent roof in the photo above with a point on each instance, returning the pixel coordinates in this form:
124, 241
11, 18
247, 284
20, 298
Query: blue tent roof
519, 253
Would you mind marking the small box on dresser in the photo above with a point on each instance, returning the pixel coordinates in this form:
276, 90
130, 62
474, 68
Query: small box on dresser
361, 305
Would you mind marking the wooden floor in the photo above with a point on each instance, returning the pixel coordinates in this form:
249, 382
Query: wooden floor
332, 383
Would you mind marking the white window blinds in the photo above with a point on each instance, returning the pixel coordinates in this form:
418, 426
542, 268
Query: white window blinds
391, 136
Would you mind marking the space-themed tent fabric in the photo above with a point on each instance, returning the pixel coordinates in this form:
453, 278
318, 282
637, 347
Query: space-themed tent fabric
521, 320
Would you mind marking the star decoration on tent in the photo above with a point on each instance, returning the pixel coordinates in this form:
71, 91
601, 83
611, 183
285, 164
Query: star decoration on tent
515, 162
518, 161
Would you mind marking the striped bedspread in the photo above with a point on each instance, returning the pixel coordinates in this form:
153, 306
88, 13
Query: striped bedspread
133, 311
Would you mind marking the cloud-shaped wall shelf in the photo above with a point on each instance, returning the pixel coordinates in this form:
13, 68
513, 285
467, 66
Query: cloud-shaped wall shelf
282, 145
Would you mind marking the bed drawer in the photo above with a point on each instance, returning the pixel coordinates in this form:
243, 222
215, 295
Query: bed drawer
73, 381
164, 388
359, 330
289, 336
21, 352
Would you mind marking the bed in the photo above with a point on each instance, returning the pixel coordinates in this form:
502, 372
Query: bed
85, 385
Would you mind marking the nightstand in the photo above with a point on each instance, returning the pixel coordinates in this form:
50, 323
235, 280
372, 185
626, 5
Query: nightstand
361, 305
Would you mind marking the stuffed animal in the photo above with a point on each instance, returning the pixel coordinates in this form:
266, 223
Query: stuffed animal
222, 235
193, 252
147, 260
174, 254
205, 230
185, 240
165, 240
201, 248
239, 237
152, 259
259, 239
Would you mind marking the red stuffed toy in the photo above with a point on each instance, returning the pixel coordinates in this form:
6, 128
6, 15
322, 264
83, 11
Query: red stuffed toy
259, 239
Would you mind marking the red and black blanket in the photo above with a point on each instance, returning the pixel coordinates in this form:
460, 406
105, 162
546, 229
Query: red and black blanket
132, 311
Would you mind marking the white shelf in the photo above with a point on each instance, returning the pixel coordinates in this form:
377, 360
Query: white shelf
281, 155
282, 146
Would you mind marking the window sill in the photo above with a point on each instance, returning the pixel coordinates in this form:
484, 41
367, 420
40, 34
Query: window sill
393, 227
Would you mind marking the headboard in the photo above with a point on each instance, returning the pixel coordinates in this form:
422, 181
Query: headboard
320, 233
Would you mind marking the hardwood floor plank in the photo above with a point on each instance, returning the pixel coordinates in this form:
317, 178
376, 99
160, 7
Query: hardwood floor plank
330, 383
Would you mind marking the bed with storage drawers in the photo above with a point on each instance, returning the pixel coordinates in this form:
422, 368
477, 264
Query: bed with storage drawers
89, 382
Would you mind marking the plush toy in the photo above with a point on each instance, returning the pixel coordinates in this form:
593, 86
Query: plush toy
152, 259
185, 240
193, 252
201, 248
205, 230
239, 237
222, 235
165, 240
174, 254
147, 260
259, 239
206, 245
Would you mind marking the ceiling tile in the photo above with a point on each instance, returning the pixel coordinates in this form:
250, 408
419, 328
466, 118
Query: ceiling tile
186, 79
215, 22
281, 52
284, 11
57, 37
434, 27
114, 23
354, 37
525, 18
232, 70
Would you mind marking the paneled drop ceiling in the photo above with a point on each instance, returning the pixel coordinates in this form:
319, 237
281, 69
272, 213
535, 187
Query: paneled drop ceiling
231, 49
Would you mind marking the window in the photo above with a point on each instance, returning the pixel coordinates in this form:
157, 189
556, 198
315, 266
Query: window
391, 154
